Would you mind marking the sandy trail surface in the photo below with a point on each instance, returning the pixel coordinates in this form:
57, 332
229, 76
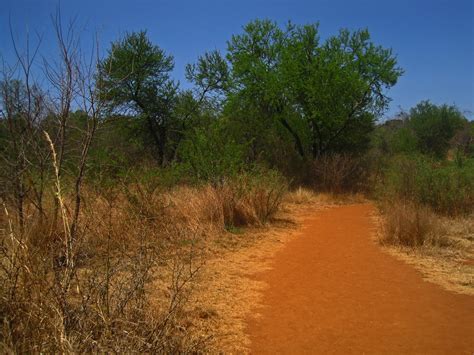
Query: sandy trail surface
332, 289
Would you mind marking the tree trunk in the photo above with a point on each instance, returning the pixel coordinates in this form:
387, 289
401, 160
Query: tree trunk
298, 144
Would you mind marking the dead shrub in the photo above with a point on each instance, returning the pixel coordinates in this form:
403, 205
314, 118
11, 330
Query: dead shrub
340, 173
411, 225
131, 242
198, 206
247, 199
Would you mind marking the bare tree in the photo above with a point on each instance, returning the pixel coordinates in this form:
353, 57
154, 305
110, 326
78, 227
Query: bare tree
22, 112
62, 77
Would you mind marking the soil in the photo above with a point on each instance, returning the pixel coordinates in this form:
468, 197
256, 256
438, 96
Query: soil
332, 289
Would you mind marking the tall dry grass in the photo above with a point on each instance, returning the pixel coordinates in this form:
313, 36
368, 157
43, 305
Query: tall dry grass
97, 297
122, 281
440, 247
242, 201
411, 225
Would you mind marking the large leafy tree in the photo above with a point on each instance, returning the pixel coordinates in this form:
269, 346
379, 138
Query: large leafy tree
256, 99
325, 96
135, 78
339, 86
198, 107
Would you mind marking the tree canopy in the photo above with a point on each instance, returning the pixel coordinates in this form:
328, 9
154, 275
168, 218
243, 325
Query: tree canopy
434, 126
135, 77
326, 95
281, 92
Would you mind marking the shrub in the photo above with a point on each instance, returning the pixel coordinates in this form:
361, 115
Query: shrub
210, 155
446, 187
339, 173
408, 224
434, 126
252, 198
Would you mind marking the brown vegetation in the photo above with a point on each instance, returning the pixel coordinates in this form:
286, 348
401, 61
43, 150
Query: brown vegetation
93, 292
340, 173
410, 225
442, 248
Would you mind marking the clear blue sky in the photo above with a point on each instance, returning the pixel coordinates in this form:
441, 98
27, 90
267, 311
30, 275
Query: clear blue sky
433, 39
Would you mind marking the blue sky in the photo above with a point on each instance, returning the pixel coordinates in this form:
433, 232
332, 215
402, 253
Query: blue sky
433, 39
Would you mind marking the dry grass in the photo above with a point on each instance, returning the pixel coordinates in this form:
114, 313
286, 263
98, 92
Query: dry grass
231, 204
229, 291
124, 280
410, 225
304, 196
92, 292
301, 196
442, 248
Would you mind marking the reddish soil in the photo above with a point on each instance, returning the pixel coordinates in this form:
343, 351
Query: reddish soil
333, 290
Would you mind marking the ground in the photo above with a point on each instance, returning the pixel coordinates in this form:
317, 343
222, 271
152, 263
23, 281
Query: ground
322, 284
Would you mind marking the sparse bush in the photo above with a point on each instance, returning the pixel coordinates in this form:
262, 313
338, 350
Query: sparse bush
246, 199
301, 196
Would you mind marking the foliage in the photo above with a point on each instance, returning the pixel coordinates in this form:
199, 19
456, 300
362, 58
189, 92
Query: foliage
209, 155
427, 129
394, 137
463, 140
326, 96
135, 78
284, 97
446, 187
434, 126
210, 73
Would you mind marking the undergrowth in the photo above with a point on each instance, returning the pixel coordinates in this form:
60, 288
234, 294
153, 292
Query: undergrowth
97, 291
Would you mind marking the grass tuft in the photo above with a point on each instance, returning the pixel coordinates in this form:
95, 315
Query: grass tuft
407, 224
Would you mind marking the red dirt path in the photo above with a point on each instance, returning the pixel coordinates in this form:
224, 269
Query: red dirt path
332, 290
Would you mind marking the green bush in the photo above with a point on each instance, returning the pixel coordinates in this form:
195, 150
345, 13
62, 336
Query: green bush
209, 155
446, 186
434, 126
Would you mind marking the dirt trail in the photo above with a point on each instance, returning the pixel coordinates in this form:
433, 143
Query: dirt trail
332, 290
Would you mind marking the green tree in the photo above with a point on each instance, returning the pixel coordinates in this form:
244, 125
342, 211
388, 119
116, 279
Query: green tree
210, 75
199, 107
135, 78
434, 126
256, 93
210, 153
339, 86
325, 97
395, 137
